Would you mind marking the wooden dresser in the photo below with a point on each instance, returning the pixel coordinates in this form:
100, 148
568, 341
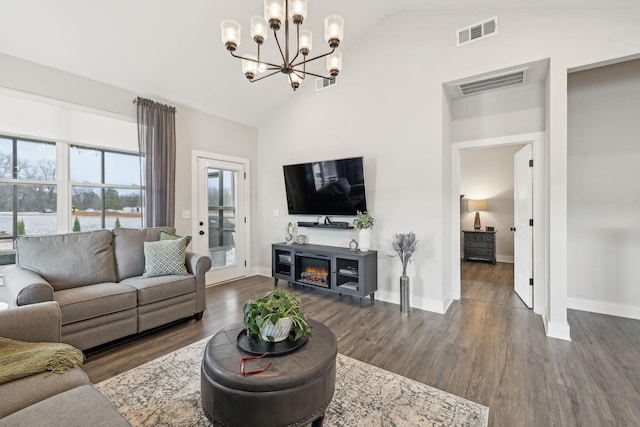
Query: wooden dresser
479, 245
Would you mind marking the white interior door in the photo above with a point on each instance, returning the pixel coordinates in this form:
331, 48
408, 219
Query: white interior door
523, 213
220, 218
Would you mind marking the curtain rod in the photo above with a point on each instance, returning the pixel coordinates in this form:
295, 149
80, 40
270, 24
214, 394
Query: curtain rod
150, 103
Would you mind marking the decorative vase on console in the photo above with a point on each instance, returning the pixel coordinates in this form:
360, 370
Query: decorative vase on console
405, 246
364, 223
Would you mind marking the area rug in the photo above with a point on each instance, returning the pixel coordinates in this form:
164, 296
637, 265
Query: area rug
166, 392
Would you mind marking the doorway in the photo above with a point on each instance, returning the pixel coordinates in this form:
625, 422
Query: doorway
488, 178
536, 141
220, 219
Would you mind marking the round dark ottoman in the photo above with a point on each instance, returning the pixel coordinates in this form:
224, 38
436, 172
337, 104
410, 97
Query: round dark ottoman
294, 391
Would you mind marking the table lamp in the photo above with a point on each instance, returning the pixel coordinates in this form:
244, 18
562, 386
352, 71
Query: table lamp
477, 206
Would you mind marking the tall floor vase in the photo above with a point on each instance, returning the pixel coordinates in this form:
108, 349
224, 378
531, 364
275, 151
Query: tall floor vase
404, 294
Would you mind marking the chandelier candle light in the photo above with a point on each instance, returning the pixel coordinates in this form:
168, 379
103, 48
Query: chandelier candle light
277, 13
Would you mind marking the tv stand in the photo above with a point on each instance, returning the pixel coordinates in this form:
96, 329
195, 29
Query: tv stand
334, 269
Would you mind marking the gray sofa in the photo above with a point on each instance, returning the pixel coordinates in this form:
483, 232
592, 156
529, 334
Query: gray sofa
49, 399
96, 279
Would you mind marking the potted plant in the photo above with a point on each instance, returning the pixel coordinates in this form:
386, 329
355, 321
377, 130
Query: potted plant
405, 246
364, 223
274, 315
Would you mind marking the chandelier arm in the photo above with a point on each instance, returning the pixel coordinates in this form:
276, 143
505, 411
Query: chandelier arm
318, 75
314, 58
254, 60
297, 44
275, 34
264, 77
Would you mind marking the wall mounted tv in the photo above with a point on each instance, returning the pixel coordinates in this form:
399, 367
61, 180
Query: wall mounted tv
332, 187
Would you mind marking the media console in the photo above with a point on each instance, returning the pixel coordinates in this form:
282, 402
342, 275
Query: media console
335, 269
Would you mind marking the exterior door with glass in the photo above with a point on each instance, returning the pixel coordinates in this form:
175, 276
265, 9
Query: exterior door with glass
220, 219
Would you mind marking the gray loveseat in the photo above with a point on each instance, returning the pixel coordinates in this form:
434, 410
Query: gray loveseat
96, 279
49, 399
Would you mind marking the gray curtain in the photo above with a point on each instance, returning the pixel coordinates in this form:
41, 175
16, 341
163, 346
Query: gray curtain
157, 142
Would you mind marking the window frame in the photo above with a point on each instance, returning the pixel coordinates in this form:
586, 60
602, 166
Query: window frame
103, 187
64, 186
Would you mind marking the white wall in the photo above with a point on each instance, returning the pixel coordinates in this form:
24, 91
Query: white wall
604, 190
488, 174
194, 130
513, 111
388, 107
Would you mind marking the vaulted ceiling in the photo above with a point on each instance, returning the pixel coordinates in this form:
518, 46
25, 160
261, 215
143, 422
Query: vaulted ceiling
172, 50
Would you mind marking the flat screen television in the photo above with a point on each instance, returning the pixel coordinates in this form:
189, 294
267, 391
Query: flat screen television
331, 187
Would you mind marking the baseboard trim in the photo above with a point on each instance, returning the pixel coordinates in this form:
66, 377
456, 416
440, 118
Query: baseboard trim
504, 258
427, 304
261, 271
602, 307
559, 330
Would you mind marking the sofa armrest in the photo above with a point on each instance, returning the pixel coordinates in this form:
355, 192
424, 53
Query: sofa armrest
33, 323
26, 286
198, 265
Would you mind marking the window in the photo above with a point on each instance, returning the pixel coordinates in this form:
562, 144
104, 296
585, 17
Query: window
28, 191
103, 190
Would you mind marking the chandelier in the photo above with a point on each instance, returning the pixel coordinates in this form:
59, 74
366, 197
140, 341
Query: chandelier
277, 13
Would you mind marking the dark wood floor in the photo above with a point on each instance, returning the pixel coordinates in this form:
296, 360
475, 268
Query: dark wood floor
487, 348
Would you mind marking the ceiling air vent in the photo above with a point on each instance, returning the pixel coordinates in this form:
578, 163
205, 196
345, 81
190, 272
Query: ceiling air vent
325, 83
478, 31
493, 82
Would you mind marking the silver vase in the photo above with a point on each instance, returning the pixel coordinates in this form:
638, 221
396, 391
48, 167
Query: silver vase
404, 294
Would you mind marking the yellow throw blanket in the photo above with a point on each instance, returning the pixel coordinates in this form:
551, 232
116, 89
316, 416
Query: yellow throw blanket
20, 359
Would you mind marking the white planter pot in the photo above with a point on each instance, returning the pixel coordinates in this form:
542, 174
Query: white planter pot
279, 331
364, 239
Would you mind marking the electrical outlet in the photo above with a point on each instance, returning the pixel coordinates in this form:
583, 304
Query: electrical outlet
276, 212
186, 214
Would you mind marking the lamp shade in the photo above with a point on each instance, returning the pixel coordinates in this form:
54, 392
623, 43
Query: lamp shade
258, 29
334, 63
477, 205
306, 41
298, 10
230, 34
274, 13
333, 30
250, 68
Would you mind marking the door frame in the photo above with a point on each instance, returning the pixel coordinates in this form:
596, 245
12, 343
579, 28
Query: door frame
536, 139
195, 154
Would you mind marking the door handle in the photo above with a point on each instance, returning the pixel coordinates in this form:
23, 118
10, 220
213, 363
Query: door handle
201, 233
201, 223
512, 229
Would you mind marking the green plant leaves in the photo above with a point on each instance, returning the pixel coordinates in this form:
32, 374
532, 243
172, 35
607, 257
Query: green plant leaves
273, 306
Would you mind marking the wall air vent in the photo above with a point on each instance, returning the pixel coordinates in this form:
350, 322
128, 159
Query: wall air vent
477, 31
325, 83
493, 82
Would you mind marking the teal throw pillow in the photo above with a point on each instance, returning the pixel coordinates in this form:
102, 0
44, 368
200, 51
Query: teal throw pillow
168, 236
165, 257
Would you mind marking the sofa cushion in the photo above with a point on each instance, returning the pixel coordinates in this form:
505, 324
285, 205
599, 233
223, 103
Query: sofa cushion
26, 391
165, 257
168, 236
69, 260
129, 249
160, 288
80, 406
87, 302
